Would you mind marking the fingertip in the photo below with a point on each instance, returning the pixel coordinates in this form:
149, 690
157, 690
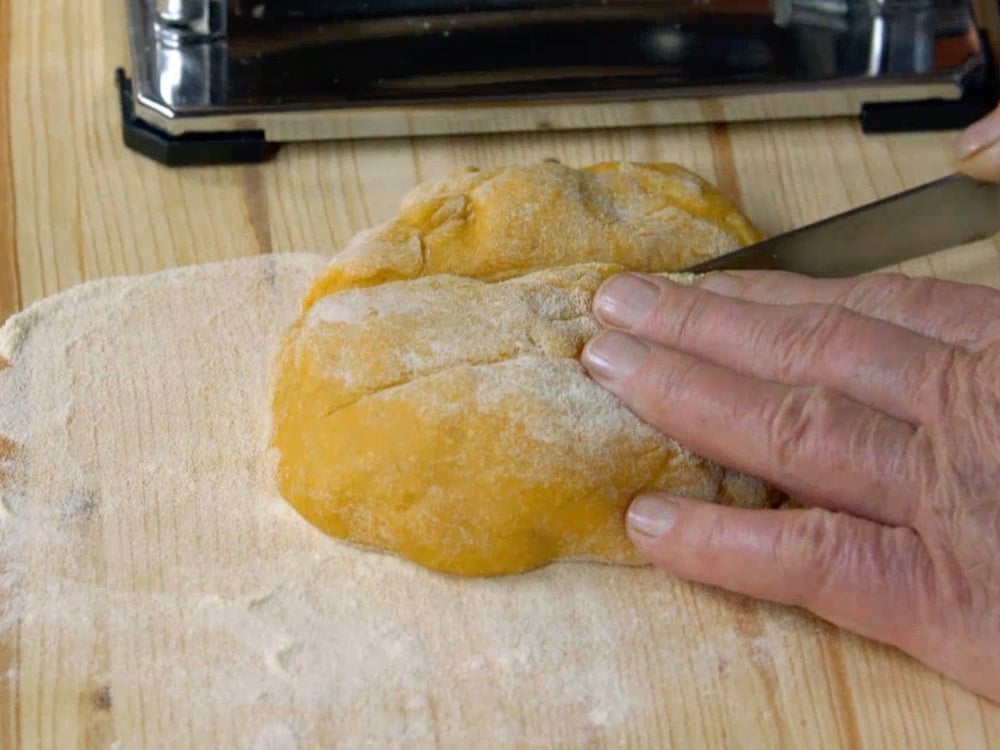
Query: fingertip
612, 356
707, 542
651, 516
625, 300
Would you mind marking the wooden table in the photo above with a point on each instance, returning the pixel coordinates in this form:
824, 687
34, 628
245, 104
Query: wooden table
76, 205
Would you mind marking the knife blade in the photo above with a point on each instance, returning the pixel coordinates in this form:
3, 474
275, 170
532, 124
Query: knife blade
941, 214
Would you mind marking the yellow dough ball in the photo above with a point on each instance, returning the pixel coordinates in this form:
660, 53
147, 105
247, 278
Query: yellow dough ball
496, 223
429, 401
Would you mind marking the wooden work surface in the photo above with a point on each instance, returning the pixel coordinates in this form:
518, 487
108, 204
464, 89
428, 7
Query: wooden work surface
76, 206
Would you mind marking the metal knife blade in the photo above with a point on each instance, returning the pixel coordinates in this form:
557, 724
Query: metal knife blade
945, 213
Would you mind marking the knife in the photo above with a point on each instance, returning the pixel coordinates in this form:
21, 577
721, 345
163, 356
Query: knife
945, 213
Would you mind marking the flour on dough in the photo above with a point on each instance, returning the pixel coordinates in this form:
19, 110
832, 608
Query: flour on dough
429, 401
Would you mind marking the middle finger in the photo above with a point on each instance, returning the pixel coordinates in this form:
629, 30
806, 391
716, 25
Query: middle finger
819, 446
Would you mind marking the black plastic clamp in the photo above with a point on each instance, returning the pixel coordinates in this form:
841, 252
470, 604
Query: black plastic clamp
189, 149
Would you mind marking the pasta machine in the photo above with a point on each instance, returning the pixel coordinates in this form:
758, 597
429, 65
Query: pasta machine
213, 81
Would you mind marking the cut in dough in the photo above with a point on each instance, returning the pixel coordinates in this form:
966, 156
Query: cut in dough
429, 401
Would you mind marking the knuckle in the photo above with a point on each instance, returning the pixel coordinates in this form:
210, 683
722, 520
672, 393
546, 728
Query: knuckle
911, 582
981, 395
900, 454
832, 322
875, 291
862, 442
982, 331
917, 293
941, 376
783, 339
799, 340
715, 535
682, 314
801, 416
661, 386
825, 558
963, 534
817, 423
806, 549
967, 313
940, 520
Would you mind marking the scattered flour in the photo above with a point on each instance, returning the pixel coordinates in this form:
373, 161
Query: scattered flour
144, 550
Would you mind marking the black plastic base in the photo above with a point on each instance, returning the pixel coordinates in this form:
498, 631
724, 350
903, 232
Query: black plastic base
922, 116
190, 149
981, 95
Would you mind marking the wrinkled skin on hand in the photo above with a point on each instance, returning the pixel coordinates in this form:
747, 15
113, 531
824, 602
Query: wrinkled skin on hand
874, 401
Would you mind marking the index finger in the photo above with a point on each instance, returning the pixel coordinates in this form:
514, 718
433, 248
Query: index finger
885, 366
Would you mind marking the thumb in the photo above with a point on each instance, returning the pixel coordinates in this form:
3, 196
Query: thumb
868, 578
983, 165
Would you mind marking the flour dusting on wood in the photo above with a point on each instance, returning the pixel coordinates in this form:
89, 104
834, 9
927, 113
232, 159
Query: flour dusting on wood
144, 549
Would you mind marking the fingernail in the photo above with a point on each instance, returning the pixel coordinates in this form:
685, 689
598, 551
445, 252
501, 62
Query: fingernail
613, 355
720, 282
625, 300
651, 515
978, 136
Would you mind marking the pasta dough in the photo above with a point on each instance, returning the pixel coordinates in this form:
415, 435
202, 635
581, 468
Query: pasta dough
429, 401
497, 223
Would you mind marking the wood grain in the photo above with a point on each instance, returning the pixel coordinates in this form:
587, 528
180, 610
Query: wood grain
10, 276
75, 205
10, 302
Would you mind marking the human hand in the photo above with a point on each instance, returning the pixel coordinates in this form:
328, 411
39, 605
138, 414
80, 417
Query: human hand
874, 401
979, 148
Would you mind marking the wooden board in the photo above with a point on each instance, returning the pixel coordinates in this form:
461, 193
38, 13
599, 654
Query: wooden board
74, 206
157, 591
